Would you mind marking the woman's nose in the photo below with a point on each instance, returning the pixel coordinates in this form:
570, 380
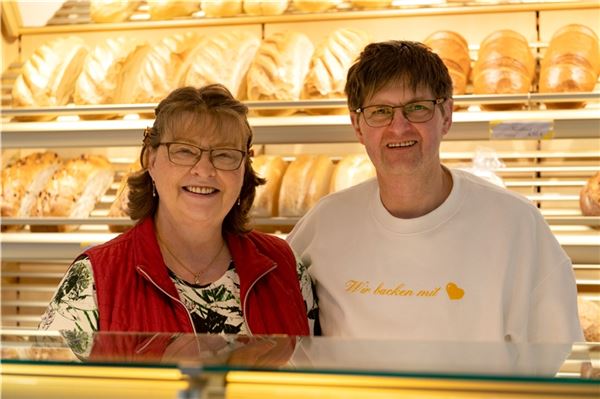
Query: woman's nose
203, 166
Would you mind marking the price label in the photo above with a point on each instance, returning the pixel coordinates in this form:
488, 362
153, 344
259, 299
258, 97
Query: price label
522, 130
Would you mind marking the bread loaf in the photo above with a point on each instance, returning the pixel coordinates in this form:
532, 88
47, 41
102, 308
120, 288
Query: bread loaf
279, 69
589, 197
571, 63
305, 181
223, 58
351, 170
112, 10
23, 180
314, 5
151, 73
454, 52
589, 318
120, 206
74, 189
221, 8
330, 62
168, 9
504, 65
265, 7
271, 168
48, 76
104, 70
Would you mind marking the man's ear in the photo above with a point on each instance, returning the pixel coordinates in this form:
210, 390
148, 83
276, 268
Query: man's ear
447, 122
356, 126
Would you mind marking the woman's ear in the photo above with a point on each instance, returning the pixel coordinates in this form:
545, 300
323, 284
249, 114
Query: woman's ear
151, 159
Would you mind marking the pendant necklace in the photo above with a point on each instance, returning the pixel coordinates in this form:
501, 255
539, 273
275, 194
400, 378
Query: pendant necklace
196, 275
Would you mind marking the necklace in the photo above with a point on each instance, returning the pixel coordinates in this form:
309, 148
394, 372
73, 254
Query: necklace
196, 275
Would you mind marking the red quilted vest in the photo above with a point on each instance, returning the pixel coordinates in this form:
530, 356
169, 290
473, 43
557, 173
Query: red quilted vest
135, 292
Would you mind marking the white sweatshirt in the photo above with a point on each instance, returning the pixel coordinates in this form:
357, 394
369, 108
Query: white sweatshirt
483, 266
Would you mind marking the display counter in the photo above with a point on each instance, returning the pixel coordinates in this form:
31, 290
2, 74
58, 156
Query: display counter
123, 365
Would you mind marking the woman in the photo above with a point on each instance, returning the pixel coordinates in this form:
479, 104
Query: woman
190, 264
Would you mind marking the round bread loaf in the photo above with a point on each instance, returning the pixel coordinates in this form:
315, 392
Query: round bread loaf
314, 5
589, 197
271, 168
589, 318
351, 170
454, 52
48, 75
112, 10
279, 68
305, 181
330, 62
168, 9
221, 8
222, 58
265, 7
571, 63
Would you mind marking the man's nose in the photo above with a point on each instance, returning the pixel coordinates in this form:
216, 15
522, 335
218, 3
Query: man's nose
398, 119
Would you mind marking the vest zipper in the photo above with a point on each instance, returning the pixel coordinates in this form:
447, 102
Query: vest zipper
248, 292
170, 296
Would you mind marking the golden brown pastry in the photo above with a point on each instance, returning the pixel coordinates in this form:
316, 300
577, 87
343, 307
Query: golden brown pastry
265, 7
371, 3
221, 8
168, 9
105, 69
571, 63
330, 62
48, 75
314, 5
589, 197
351, 170
223, 58
279, 68
305, 181
271, 168
112, 10
74, 189
23, 180
453, 49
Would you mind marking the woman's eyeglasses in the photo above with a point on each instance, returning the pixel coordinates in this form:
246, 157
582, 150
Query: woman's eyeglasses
416, 112
188, 155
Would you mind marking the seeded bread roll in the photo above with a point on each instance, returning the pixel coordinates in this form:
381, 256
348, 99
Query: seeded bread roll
105, 70
112, 10
23, 180
454, 51
48, 76
589, 197
152, 72
271, 168
571, 63
351, 170
221, 8
330, 62
168, 9
74, 189
265, 7
314, 5
305, 181
223, 58
279, 68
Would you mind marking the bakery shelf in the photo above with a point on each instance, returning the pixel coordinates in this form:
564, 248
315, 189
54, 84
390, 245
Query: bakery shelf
343, 12
467, 125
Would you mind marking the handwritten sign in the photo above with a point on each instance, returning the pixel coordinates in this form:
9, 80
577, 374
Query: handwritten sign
521, 129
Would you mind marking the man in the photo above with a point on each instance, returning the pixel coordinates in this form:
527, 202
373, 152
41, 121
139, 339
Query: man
423, 252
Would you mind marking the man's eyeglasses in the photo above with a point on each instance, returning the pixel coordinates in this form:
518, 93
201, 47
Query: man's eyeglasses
416, 112
188, 155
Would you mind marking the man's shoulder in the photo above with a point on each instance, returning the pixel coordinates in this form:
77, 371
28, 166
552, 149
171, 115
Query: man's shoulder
356, 194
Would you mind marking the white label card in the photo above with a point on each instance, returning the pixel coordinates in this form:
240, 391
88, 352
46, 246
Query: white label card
521, 129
